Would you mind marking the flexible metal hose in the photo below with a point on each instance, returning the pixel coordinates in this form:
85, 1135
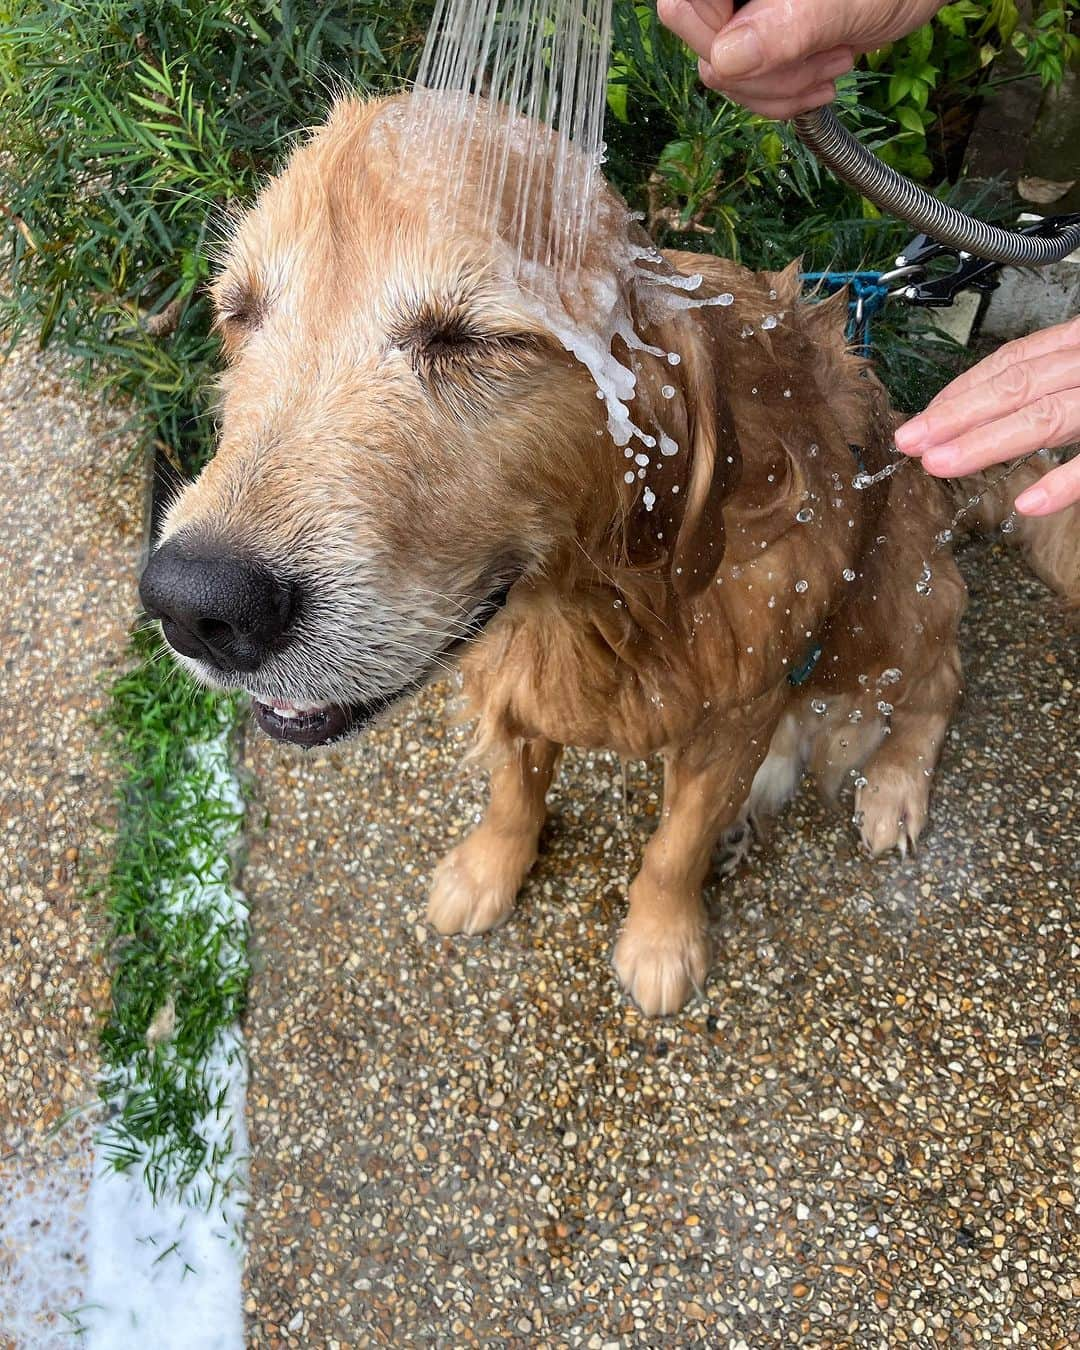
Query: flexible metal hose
850, 160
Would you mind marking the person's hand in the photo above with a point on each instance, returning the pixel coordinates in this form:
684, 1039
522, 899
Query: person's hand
1023, 398
782, 57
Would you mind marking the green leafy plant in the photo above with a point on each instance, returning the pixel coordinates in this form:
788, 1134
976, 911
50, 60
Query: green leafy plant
129, 132
931, 82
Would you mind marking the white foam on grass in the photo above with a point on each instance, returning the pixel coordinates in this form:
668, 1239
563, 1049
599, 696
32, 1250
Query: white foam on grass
168, 1274
165, 1259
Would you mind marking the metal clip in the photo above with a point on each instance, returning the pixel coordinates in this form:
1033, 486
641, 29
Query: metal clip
971, 273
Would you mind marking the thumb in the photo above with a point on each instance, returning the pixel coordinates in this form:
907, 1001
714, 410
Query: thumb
768, 34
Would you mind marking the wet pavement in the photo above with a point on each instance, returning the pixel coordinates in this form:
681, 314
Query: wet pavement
69, 547
864, 1133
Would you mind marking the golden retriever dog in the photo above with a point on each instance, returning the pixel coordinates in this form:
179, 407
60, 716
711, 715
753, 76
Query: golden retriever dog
413, 470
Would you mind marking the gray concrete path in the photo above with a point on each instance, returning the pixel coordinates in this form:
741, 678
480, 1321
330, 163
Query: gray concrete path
863, 1135
69, 546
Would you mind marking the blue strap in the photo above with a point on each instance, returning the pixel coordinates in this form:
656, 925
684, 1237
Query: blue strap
799, 677
868, 297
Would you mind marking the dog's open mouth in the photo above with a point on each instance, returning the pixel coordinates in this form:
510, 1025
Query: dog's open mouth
319, 724
310, 726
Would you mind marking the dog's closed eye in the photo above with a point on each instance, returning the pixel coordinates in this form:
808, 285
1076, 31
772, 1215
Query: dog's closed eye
437, 336
461, 359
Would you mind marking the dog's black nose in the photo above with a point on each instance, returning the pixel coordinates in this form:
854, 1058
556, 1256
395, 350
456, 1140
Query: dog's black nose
226, 611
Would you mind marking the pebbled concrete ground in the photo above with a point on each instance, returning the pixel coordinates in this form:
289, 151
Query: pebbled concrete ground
69, 547
864, 1134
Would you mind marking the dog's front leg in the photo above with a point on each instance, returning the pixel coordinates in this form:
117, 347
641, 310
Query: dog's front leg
663, 951
476, 884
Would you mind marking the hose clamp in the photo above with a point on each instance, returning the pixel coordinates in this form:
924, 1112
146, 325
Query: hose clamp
970, 274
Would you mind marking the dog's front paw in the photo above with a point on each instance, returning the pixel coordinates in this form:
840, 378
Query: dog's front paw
475, 886
661, 961
891, 808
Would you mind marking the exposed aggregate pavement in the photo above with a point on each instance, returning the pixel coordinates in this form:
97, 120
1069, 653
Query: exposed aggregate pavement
864, 1134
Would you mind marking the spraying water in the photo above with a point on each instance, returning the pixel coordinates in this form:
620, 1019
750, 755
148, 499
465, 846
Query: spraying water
542, 60
503, 138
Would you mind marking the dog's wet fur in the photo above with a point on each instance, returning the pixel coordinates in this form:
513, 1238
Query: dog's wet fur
402, 439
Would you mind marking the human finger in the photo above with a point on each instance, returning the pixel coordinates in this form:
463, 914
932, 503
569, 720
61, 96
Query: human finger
1050, 422
697, 22
1053, 492
958, 410
779, 110
765, 35
1062, 336
787, 83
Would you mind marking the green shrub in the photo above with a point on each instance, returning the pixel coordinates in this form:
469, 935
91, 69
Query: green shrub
128, 133
934, 80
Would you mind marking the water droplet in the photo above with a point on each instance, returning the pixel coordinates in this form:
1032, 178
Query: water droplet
1009, 523
860, 781
945, 537
769, 322
674, 359
819, 706
802, 587
668, 391
805, 516
891, 676
747, 331
855, 716
849, 574
726, 299
642, 460
862, 481
649, 498
668, 446
923, 584
812, 451
629, 477
787, 393
886, 709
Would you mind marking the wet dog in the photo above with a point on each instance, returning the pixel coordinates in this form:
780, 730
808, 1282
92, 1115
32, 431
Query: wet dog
413, 472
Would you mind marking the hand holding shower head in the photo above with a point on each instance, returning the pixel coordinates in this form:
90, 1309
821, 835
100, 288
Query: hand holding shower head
826, 137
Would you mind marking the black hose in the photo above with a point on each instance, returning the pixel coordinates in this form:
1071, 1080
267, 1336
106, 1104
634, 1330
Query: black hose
850, 160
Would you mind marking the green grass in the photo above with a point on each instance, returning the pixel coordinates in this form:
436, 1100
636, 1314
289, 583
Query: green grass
178, 940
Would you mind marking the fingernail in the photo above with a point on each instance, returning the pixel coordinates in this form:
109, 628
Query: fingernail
908, 437
736, 53
941, 461
1034, 500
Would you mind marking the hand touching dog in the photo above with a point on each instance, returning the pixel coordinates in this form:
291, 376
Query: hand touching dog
1024, 397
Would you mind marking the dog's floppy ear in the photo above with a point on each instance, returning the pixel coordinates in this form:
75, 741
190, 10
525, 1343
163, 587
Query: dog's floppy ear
713, 468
